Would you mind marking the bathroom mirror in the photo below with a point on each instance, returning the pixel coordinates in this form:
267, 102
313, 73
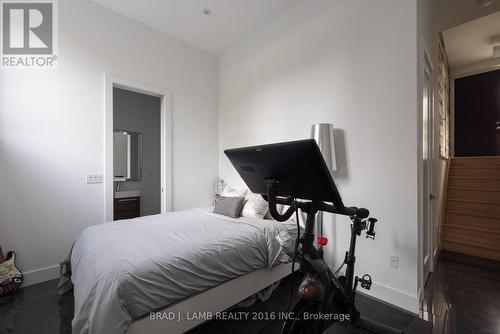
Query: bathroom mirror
127, 155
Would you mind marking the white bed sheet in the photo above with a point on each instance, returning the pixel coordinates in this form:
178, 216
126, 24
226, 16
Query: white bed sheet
123, 270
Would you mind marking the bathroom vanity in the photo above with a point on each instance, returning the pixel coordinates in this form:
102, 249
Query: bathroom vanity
127, 204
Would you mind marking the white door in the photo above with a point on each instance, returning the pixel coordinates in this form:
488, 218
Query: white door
427, 149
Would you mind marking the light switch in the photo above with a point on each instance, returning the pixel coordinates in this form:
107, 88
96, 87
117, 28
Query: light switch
92, 178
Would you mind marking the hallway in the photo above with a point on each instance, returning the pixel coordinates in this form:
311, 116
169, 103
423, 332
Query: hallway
463, 298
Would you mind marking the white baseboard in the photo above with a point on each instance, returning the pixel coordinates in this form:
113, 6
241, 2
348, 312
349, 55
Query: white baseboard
401, 299
40, 275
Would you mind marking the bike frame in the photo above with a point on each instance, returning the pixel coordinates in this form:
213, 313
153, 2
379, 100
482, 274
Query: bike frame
334, 297
311, 262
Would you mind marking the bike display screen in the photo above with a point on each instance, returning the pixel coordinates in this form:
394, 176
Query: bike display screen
298, 167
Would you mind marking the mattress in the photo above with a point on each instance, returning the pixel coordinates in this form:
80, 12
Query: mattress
123, 270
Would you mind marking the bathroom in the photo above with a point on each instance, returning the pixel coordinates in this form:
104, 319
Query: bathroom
136, 154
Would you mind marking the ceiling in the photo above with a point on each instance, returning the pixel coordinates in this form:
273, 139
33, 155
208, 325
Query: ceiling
229, 22
451, 13
470, 43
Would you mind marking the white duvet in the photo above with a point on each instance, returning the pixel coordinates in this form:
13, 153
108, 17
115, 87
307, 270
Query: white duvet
123, 270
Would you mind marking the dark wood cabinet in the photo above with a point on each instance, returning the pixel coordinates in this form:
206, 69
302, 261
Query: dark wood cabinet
127, 208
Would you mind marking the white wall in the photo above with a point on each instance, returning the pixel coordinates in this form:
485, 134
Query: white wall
352, 63
52, 129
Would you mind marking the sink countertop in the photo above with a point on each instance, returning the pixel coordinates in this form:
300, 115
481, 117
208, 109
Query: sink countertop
127, 193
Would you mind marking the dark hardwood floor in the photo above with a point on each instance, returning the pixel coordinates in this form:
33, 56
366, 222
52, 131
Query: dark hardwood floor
463, 296
459, 298
280, 301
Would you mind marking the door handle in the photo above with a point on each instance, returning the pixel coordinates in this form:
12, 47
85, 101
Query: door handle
431, 196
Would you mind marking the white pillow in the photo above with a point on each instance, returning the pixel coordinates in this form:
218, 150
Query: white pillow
279, 207
293, 218
234, 192
255, 206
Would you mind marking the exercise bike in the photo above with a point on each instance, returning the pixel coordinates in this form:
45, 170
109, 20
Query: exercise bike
322, 297
277, 172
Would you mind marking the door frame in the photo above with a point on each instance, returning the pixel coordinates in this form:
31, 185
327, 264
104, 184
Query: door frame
424, 60
428, 70
114, 81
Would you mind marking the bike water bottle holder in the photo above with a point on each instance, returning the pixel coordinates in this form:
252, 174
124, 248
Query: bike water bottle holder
365, 281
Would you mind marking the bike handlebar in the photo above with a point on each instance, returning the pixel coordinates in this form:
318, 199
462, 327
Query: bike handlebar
340, 209
273, 200
337, 208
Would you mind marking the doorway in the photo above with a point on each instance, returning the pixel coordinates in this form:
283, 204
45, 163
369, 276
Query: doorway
136, 154
477, 115
471, 220
118, 87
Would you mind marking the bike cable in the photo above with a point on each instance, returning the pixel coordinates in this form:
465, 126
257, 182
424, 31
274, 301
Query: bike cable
338, 269
296, 248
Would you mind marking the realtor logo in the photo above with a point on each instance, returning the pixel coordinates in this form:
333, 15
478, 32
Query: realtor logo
29, 34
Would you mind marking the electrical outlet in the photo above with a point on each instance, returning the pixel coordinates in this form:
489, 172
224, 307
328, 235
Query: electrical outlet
92, 178
394, 261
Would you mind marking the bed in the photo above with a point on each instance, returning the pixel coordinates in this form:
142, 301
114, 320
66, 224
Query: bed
192, 260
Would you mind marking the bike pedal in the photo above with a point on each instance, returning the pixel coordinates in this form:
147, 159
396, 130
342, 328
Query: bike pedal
366, 282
